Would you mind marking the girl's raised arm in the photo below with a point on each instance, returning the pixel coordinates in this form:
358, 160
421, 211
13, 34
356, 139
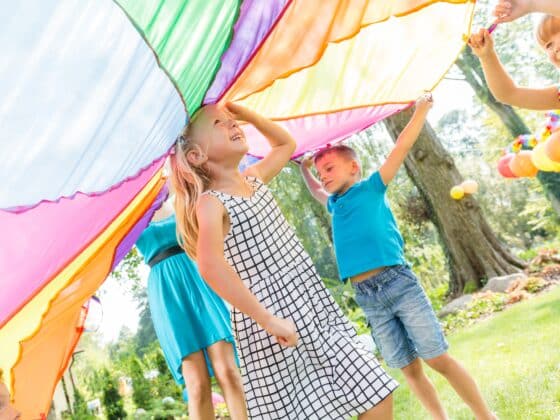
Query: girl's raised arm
282, 143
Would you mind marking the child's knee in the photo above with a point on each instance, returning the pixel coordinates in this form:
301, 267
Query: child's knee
198, 389
227, 374
442, 363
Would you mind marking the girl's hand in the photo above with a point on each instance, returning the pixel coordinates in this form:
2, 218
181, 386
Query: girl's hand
283, 329
509, 10
424, 102
481, 43
239, 112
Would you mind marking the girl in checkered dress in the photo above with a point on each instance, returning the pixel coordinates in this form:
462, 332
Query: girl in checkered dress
299, 355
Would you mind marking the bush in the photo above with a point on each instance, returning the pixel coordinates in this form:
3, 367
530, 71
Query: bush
482, 304
470, 287
112, 401
80, 407
141, 393
534, 284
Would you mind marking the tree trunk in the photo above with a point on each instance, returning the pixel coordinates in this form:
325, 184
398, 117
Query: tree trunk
473, 251
474, 76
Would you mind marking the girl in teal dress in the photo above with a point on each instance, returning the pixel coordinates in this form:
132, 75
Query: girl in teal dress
191, 322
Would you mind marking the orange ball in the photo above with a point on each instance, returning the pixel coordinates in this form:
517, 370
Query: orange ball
522, 165
552, 147
470, 186
503, 166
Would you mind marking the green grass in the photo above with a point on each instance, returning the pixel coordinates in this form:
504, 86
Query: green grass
515, 358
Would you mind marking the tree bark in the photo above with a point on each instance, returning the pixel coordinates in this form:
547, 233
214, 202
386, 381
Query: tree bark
473, 251
469, 65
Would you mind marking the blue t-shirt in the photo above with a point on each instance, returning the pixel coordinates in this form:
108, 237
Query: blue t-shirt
365, 233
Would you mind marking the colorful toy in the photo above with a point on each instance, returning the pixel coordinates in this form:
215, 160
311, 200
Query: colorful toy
503, 166
96, 92
522, 166
470, 186
542, 161
457, 192
552, 147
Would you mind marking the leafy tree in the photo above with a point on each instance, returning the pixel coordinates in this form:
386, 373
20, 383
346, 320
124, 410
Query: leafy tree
141, 392
112, 400
80, 407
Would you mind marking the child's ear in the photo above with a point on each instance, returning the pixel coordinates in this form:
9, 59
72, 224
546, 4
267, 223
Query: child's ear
355, 167
196, 157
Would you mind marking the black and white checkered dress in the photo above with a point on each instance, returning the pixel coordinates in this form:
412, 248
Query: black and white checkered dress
329, 375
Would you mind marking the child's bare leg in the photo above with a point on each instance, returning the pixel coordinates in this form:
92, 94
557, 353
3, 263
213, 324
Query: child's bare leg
382, 411
424, 389
223, 361
199, 391
463, 383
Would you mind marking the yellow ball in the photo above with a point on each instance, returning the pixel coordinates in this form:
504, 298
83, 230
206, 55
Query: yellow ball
542, 161
457, 192
470, 186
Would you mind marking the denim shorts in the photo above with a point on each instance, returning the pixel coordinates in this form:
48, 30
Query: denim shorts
402, 320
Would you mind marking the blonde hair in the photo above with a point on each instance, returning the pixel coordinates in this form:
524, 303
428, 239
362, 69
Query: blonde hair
189, 182
340, 150
1, 376
548, 26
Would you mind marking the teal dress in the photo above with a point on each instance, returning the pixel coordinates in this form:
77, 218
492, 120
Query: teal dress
187, 315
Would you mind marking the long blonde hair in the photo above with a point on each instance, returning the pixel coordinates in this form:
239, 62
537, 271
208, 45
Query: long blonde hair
189, 182
548, 26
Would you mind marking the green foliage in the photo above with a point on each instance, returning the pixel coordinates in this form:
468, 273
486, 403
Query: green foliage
470, 287
112, 401
535, 284
480, 306
163, 384
162, 411
437, 296
80, 411
141, 392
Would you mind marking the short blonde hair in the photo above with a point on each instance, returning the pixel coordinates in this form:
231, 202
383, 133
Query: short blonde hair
548, 26
339, 150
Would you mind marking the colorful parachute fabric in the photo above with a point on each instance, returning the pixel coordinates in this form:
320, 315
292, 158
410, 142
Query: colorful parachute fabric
95, 92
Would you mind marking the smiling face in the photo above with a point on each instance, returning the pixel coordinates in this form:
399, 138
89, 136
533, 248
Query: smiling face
218, 134
548, 35
337, 171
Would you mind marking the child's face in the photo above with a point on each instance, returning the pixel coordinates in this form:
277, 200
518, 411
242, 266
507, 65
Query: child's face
552, 48
337, 173
218, 134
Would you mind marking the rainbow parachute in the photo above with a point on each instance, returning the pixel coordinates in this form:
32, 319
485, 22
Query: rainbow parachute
95, 92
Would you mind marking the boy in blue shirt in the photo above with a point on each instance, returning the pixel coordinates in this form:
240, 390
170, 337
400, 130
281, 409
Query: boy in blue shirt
369, 252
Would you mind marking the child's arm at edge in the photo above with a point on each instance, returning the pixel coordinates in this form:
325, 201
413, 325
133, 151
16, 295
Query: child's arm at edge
510, 10
221, 277
406, 140
312, 183
500, 83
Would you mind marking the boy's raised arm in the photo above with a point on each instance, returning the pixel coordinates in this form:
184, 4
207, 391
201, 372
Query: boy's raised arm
313, 185
406, 139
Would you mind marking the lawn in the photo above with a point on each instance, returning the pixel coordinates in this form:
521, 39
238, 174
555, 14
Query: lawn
515, 358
